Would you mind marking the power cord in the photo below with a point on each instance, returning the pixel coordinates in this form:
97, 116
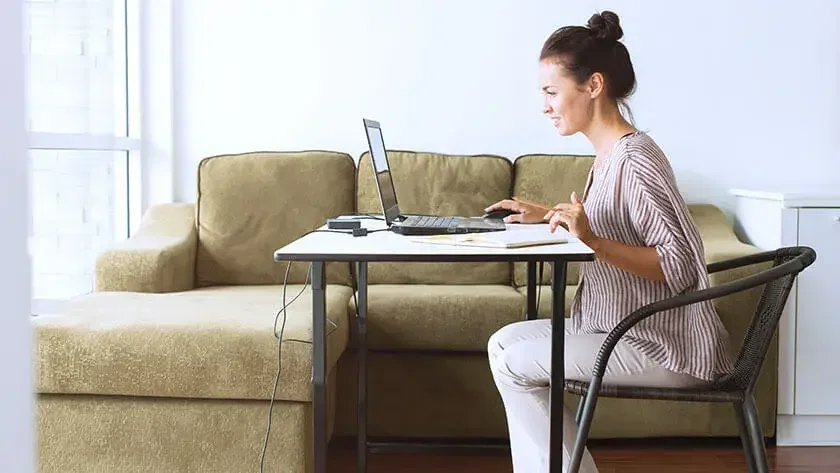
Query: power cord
280, 351
356, 232
364, 216
279, 338
355, 288
539, 287
282, 310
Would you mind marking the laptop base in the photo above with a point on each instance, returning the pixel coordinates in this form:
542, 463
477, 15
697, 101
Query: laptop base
454, 225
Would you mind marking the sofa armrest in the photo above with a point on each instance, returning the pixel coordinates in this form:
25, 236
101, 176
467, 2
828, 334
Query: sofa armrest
721, 243
159, 257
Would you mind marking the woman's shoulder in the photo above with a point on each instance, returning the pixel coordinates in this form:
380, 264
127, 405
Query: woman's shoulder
642, 154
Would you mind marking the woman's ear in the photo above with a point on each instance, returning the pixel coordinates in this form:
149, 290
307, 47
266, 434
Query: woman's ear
596, 85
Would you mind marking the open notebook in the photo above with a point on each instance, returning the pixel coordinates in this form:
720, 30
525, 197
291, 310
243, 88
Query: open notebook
514, 236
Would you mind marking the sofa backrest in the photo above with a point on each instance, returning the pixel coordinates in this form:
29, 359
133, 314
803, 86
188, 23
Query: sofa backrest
549, 179
438, 184
251, 204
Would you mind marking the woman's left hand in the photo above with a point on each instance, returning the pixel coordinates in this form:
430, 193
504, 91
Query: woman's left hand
573, 217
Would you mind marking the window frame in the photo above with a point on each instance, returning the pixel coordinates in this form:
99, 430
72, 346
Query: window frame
128, 29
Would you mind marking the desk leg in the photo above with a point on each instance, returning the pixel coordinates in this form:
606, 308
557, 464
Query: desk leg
319, 364
558, 324
361, 359
531, 293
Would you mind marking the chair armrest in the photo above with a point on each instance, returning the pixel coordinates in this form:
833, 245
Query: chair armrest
159, 257
715, 292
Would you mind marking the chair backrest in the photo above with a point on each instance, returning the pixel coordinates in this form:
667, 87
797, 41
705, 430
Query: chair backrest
787, 264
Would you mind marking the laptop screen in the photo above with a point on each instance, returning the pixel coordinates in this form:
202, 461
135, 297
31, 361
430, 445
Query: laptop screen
382, 171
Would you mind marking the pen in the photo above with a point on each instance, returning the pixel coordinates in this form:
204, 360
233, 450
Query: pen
517, 199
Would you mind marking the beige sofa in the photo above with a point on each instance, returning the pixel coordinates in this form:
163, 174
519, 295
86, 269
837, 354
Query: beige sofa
169, 365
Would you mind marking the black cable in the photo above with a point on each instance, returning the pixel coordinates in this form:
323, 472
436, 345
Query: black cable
355, 288
539, 288
364, 216
332, 231
355, 232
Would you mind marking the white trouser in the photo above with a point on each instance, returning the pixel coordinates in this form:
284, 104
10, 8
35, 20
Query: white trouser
520, 359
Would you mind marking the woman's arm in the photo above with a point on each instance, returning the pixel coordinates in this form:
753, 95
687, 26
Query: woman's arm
640, 260
665, 255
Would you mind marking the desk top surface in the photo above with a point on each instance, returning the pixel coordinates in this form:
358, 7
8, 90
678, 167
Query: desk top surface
389, 246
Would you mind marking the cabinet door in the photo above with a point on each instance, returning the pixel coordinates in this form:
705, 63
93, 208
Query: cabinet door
818, 315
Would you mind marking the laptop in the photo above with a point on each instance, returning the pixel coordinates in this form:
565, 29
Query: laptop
414, 224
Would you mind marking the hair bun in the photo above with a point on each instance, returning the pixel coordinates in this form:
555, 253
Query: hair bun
605, 25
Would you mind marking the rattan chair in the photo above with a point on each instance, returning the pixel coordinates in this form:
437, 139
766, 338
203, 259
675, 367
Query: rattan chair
737, 386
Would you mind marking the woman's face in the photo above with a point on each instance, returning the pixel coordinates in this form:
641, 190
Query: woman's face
569, 105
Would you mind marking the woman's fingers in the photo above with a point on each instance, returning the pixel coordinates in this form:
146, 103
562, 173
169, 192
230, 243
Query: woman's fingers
558, 218
503, 204
556, 208
526, 203
496, 206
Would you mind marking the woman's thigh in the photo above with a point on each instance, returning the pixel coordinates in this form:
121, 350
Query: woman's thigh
524, 349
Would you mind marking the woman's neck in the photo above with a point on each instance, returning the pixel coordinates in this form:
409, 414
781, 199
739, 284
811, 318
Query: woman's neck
607, 127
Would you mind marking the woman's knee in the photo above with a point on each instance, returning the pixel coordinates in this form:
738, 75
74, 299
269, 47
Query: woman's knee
498, 341
521, 365
522, 330
516, 355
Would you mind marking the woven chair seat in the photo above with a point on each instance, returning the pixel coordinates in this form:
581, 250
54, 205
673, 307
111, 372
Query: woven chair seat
700, 394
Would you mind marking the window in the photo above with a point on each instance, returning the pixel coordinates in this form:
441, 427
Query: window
84, 139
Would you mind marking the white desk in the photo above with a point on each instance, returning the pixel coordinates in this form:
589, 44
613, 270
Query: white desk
389, 246
320, 248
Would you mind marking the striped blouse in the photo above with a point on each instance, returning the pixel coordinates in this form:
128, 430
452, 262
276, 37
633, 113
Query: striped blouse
632, 197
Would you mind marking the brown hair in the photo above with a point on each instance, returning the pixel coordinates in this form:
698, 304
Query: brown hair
585, 50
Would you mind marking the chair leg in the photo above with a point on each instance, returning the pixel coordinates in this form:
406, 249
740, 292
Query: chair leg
745, 438
756, 436
587, 412
579, 410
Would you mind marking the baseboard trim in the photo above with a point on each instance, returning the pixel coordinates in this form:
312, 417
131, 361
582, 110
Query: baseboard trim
807, 430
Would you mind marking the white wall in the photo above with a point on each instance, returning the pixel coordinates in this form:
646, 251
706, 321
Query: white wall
737, 93
16, 442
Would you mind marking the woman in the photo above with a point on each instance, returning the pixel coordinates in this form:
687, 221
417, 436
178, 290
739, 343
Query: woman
646, 248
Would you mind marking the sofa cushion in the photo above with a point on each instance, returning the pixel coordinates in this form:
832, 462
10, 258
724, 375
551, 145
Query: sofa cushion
208, 343
438, 184
548, 180
251, 204
439, 317
545, 297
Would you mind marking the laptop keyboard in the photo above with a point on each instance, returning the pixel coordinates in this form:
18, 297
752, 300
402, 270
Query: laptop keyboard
433, 222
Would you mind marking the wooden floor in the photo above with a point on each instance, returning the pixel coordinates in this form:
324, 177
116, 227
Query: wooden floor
614, 457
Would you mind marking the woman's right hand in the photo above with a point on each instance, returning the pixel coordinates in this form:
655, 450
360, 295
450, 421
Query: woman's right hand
525, 212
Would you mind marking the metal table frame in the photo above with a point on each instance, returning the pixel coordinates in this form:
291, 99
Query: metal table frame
319, 343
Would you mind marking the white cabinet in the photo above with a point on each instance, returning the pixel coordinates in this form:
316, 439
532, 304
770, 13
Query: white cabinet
818, 316
809, 331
